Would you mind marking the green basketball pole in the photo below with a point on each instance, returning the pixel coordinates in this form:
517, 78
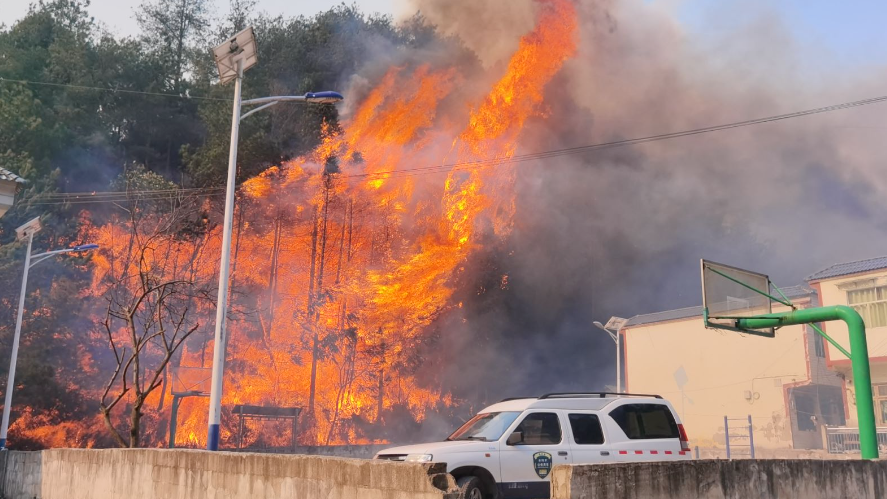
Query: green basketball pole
862, 378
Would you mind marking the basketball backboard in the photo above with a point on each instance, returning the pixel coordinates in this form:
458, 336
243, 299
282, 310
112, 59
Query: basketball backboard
741, 300
730, 293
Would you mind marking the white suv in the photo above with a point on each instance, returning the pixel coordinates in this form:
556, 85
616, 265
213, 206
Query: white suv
508, 449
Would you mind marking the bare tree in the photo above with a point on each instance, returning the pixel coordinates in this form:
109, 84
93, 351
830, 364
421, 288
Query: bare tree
153, 328
152, 297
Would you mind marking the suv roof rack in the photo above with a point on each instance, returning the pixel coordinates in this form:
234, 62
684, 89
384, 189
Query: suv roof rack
515, 398
594, 394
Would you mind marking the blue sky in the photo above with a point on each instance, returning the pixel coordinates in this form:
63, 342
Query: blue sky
855, 32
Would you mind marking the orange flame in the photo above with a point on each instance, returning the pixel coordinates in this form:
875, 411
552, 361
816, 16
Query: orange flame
348, 258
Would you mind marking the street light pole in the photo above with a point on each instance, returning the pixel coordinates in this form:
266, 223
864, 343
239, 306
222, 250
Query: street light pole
10, 378
27, 230
615, 324
234, 57
220, 338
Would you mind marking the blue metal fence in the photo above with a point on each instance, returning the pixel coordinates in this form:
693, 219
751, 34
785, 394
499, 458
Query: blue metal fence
845, 440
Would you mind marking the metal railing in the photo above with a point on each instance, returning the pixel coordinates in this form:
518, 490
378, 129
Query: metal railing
845, 440
744, 433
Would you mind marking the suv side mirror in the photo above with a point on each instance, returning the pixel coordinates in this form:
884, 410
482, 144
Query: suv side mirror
515, 438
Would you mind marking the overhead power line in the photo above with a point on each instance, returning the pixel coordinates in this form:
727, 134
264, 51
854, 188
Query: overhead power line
119, 196
123, 196
616, 143
131, 193
114, 90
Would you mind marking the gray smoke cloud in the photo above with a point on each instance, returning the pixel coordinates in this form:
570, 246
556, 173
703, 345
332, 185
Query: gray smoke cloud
490, 29
621, 231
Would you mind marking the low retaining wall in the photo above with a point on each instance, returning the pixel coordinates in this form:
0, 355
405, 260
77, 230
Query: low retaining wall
761, 479
194, 474
355, 451
21, 472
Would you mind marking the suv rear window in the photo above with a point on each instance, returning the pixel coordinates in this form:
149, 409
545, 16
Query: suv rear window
586, 429
643, 421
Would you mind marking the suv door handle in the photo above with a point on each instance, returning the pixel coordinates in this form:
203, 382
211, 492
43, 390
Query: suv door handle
605, 453
562, 453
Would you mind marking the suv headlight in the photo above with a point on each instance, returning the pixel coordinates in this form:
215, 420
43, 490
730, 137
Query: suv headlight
419, 458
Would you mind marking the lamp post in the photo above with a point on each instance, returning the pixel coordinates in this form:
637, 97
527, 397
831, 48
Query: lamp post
26, 231
233, 57
612, 328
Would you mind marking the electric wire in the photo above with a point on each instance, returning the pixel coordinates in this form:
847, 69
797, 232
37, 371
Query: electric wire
123, 196
620, 143
112, 196
115, 90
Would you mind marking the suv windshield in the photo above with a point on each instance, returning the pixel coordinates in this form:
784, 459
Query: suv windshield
486, 426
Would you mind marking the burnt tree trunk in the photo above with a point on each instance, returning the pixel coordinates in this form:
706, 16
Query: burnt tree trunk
309, 425
380, 401
272, 276
315, 342
346, 372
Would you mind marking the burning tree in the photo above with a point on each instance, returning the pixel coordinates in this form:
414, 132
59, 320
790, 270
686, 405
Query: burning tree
345, 259
154, 292
351, 261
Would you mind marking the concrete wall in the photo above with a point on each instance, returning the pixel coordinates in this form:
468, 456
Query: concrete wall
193, 474
353, 451
721, 366
768, 479
23, 472
834, 292
7, 196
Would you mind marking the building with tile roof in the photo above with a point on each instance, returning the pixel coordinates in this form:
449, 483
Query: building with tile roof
798, 388
848, 268
9, 185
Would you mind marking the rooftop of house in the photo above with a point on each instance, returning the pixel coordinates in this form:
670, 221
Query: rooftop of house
848, 268
10, 177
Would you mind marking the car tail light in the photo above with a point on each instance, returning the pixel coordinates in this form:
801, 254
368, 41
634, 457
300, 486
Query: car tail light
685, 442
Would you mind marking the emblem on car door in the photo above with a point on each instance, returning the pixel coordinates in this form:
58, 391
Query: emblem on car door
542, 463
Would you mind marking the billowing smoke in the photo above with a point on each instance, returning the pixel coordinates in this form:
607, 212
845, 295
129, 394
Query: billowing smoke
620, 231
391, 305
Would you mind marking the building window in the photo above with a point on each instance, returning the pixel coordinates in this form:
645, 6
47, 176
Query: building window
871, 304
831, 405
804, 411
819, 345
880, 392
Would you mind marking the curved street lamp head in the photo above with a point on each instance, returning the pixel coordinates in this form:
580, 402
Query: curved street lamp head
598, 324
85, 247
326, 97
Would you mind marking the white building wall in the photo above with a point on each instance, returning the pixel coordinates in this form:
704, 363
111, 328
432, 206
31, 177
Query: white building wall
728, 374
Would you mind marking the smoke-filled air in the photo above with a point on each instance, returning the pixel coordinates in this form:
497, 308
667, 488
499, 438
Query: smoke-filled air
412, 259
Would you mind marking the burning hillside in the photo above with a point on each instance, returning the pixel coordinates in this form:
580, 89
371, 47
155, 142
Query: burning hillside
401, 272
345, 258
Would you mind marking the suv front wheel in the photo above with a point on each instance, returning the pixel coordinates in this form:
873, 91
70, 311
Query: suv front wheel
470, 487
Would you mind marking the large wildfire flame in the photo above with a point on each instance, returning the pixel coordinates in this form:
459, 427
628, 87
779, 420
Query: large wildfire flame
355, 257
